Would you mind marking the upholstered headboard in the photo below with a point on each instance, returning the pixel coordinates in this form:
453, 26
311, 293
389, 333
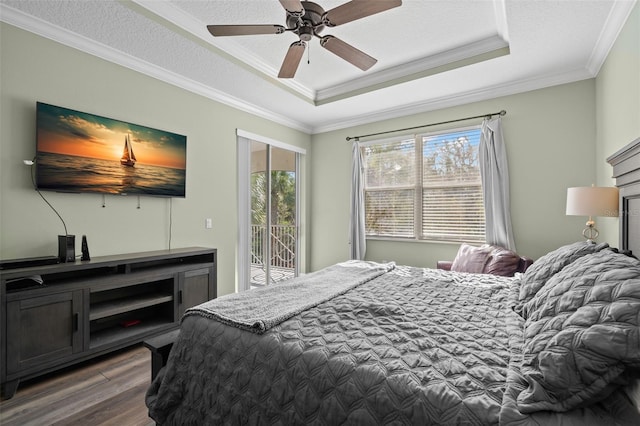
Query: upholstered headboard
626, 171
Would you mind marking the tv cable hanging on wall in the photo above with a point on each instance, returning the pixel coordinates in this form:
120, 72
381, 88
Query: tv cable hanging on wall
30, 163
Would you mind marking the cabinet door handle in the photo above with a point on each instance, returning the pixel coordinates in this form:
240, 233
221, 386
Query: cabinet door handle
180, 296
75, 322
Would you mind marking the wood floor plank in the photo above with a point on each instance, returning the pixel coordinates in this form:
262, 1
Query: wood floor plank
46, 404
64, 379
94, 395
125, 408
106, 391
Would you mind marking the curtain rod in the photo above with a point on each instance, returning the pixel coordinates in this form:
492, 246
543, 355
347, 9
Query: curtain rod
501, 113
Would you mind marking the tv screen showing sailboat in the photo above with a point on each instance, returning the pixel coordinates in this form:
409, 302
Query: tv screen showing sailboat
82, 152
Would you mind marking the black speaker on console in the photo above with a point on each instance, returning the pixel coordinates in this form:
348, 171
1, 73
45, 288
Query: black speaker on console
85, 249
67, 248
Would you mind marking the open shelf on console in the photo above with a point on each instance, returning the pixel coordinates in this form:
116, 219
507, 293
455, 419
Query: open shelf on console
114, 301
118, 333
107, 309
89, 308
116, 313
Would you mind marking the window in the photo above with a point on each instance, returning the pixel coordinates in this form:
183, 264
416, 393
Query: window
426, 187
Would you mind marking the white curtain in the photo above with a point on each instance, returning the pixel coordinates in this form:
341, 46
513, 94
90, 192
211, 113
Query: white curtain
495, 185
357, 238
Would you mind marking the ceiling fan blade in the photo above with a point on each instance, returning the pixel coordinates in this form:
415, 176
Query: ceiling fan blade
293, 7
291, 61
237, 30
347, 52
357, 9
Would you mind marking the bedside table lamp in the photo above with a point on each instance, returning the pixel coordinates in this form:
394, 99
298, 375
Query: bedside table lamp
592, 201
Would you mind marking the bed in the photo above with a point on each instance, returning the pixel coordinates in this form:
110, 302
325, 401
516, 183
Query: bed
378, 343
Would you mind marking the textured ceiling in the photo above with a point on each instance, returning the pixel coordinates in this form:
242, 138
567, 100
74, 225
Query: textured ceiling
431, 53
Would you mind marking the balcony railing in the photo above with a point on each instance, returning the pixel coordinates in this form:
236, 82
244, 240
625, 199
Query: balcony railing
282, 264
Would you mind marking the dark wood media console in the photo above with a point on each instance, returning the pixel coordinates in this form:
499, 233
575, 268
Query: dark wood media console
84, 309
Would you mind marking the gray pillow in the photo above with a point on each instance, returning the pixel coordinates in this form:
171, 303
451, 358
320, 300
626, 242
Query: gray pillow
547, 266
582, 333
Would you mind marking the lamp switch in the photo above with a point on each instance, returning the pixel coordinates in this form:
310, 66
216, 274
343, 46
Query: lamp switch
208, 223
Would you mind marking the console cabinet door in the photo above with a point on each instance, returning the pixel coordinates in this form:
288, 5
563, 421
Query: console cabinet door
195, 287
43, 329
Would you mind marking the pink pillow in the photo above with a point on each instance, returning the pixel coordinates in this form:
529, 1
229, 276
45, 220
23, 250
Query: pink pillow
471, 259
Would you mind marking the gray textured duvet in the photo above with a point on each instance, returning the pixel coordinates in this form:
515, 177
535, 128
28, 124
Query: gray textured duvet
412, 346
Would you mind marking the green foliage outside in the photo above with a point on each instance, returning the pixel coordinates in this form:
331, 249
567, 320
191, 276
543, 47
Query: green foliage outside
282, 232
283, 198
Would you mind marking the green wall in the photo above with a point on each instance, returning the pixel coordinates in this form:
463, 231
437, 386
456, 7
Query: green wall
33, 69
618, 106
556, 137
550, 139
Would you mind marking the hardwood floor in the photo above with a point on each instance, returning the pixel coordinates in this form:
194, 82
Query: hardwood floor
106, 391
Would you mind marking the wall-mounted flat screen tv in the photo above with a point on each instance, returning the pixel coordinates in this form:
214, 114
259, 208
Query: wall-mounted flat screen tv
82, 152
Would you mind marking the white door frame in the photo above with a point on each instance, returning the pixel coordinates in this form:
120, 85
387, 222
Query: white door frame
243, 140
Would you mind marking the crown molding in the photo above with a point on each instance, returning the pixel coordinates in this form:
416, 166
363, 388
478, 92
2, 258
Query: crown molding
60, 35
618, 15
500, 12
486, 93
444, 61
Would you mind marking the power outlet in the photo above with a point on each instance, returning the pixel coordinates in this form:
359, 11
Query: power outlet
208, 223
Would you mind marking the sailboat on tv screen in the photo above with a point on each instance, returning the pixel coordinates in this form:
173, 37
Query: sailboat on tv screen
128, 157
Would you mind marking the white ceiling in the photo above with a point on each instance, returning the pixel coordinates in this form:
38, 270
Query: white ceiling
431, 53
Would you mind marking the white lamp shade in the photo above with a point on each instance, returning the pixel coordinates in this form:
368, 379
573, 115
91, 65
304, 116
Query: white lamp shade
592, 201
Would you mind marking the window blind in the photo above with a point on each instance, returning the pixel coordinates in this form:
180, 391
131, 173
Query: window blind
390, 182
428, 187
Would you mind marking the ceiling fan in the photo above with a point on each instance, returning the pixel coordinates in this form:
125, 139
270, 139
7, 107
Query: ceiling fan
308, 19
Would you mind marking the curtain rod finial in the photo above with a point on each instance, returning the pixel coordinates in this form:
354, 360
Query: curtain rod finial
503, 113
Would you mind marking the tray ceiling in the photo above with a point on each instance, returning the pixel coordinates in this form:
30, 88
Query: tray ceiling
431, 54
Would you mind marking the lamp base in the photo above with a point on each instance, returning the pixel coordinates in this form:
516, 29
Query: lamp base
590, 232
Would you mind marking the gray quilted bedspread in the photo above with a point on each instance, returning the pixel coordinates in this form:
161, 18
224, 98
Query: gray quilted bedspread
260, 309
412, 347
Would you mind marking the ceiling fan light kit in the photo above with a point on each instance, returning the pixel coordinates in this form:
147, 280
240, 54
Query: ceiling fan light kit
307, 20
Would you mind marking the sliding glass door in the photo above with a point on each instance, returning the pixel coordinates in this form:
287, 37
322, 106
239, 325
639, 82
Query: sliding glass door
274, 227
269, 225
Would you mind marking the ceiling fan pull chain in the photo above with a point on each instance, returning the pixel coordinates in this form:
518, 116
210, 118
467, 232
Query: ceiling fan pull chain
309, 54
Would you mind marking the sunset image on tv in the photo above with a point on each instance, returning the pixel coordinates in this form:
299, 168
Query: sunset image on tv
81, 152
